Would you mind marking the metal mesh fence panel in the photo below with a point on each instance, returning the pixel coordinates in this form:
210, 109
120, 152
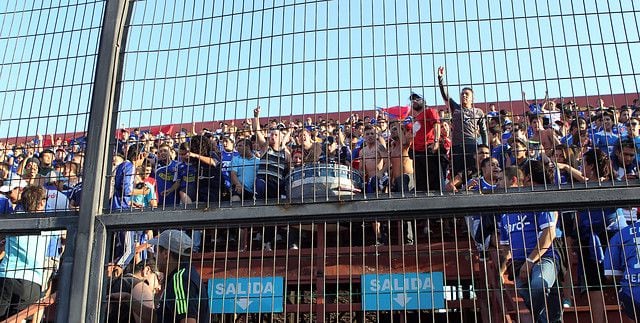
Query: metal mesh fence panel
48, 62
48, 54
517, 265
334, 100
325, 160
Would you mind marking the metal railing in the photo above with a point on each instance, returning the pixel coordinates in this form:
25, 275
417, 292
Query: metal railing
323, 239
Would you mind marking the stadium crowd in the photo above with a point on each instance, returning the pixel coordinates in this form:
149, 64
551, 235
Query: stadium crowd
419, 149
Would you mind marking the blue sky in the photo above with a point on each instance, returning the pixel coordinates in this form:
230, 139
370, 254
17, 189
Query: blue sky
47, 50
212, 60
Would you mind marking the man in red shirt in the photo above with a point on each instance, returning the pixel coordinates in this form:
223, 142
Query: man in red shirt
426, 153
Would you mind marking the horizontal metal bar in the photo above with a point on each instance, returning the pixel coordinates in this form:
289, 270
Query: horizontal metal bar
357, 209
427, 206
30, 223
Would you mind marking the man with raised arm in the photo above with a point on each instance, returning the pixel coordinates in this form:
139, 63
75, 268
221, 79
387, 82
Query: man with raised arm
468, 123
275, 157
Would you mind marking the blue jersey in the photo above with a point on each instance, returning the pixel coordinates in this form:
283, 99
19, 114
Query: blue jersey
620, 129
501, 153
75, 194
24, 258
636, 141
124, 180
598, 220
186, 174
521, 232
560, 177
622, 258
25, 255
482, 184
567, 140
226, 157
165, 178
593, 223
245, 169
6, 207
606, 141
14, 167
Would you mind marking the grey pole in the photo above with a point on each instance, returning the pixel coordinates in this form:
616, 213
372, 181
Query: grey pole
81, 308
97, 272
66, 266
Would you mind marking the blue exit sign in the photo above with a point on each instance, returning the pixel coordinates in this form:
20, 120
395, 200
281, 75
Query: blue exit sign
246, 295
409, 291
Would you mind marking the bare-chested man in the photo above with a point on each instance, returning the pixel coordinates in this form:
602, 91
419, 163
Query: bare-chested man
375, 161
402, 177
274, 160
311, 150
374, 165
546, 138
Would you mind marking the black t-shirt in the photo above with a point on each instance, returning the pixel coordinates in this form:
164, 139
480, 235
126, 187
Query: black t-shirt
185, 296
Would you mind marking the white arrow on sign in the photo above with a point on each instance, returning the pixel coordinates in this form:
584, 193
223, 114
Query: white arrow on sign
402, 299
244, 303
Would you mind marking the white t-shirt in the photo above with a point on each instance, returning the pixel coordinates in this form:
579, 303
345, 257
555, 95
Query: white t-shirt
56, 201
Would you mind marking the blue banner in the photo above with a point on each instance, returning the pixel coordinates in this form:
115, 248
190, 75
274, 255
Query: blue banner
246, 295
409, 291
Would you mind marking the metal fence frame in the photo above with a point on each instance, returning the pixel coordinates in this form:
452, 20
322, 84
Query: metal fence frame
79, 298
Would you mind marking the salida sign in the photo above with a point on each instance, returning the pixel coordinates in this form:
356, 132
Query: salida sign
246, 295
409, 291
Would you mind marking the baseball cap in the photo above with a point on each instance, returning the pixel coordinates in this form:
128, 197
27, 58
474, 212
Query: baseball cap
54, 177
414, 96
175, 241
14, 181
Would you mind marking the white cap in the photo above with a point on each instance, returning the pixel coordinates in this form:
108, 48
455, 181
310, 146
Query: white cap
175, 241
14, 181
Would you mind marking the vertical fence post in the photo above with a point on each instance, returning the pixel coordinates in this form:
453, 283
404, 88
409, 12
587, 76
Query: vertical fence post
98, 252
82, 308
66, 266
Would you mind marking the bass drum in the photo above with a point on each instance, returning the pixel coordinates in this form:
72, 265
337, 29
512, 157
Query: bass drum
321, 181
270, 174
